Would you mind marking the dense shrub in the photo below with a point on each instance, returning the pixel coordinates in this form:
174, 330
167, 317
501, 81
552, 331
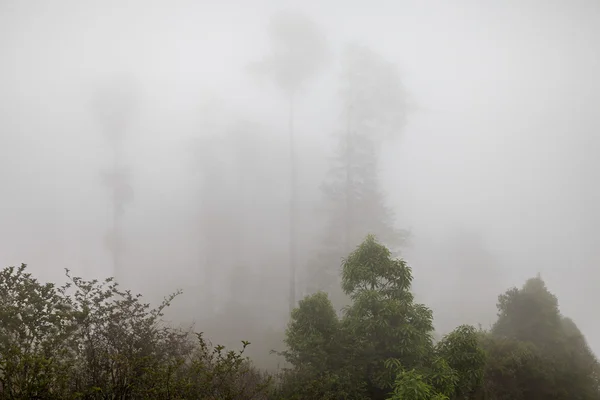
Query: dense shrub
90, 340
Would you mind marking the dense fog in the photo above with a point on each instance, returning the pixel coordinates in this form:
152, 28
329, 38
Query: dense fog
489, 165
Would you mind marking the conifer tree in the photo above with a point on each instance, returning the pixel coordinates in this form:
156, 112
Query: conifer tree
373, 109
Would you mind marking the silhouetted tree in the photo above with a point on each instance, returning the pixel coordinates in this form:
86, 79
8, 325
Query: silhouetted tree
536, 352
373, 109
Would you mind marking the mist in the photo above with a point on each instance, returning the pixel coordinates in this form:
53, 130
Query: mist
493, 172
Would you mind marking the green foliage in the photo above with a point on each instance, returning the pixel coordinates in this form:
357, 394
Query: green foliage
313, 333
529, 314
303, 383
35, 325
462, 351
411, 385
316, 344
90, 340
535, 352
383, 317
382, 347
514, 369
382, 342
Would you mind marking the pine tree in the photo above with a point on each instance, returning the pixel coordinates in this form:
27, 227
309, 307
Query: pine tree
373, 109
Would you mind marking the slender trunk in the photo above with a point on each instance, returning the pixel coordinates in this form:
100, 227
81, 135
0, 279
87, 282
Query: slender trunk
292, 233
349, 217
348, 234
116, 220
239, 285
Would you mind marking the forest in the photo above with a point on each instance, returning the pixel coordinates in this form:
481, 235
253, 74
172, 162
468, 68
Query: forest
282, 236
94, 340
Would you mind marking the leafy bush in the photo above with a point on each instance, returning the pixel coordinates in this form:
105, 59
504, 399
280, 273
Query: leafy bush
90, 340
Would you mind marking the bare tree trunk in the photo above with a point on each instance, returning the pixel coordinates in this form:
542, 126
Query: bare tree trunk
116, 217
349, 218
293, 184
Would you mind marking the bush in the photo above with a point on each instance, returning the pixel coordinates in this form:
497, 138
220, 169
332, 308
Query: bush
90, 340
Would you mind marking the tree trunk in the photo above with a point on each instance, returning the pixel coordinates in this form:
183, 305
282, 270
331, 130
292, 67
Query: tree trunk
293, 184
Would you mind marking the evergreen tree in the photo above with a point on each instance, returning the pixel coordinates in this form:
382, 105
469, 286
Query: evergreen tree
373, 109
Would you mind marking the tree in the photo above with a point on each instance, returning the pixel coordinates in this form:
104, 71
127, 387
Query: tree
557, 363
462, 351
383, 317
114, 105
382, 347
298, 52
313, 335
529, 314
320, 353
373, 109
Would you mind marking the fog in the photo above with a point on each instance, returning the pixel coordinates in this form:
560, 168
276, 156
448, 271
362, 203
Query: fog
493, 173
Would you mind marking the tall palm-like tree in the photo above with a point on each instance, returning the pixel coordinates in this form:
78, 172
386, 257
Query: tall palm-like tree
298, 52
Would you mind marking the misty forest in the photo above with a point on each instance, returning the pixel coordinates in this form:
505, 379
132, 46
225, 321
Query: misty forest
314, 200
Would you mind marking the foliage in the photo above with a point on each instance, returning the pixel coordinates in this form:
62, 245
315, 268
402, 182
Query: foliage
383, 316
383, 343
462, 351
544, 354
35, 356
91, 340
529, 314
382, 346
410, 385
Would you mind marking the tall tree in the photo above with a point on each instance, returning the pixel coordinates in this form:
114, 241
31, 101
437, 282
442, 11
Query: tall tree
373, 109
298, 52
217, 223
114, 105
240, 210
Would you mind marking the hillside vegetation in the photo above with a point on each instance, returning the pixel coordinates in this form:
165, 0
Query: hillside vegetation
92, 340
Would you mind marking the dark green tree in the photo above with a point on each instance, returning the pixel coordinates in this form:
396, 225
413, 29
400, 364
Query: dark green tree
382, 347
556, 360
320, 353
462, 352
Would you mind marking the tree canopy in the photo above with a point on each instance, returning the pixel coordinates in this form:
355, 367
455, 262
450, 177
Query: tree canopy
92, 340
